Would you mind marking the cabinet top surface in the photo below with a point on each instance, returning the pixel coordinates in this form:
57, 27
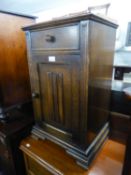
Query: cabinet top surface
72, 19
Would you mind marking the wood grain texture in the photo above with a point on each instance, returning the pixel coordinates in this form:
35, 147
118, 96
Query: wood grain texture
65, 38
119, 126
46, 156
77, 18
55, 80
100, 73
14, 76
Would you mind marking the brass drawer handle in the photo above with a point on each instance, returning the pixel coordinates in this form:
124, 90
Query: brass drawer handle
50, 38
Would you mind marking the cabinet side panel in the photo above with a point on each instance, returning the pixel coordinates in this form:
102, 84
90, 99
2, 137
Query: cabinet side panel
102, 41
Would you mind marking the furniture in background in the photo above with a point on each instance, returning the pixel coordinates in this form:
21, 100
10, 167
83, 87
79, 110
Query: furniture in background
16, 116
14, 75
70, 63
119, 116
11, 134
127, 162
43, 157
120, 110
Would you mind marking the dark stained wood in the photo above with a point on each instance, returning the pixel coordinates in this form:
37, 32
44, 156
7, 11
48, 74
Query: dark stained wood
65, 38
11, 134
120, 115
57, 100
18, 14
45, 157
119, 126
100, 73
15, 96
76, 18
72, 77
14, 76
127, 161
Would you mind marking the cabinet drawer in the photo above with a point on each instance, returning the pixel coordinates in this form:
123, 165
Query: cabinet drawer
36, 169
62, 38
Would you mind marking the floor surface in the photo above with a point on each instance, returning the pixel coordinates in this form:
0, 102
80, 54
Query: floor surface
109, 160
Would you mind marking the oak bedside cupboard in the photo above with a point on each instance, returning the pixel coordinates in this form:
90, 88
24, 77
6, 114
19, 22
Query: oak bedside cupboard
70, 62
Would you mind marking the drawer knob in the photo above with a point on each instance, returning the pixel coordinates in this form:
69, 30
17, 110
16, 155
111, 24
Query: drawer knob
50, 38
35, 95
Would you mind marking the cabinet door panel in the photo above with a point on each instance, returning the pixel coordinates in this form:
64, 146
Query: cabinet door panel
59, 99
55, 81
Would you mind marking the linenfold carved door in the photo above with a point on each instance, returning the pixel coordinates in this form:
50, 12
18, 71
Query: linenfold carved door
59, 88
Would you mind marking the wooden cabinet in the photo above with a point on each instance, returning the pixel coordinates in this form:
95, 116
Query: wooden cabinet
47, 158
119, 116
70, 63
127, 161
34, 168
14, 75
44, 157
11, 134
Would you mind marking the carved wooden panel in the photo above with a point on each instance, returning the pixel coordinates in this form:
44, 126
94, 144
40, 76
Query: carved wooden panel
59, 94
53, 90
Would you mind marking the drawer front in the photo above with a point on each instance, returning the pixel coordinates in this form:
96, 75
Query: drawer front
62, 38
36, 169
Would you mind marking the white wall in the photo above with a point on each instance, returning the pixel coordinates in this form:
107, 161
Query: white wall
70, 7
119, 10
